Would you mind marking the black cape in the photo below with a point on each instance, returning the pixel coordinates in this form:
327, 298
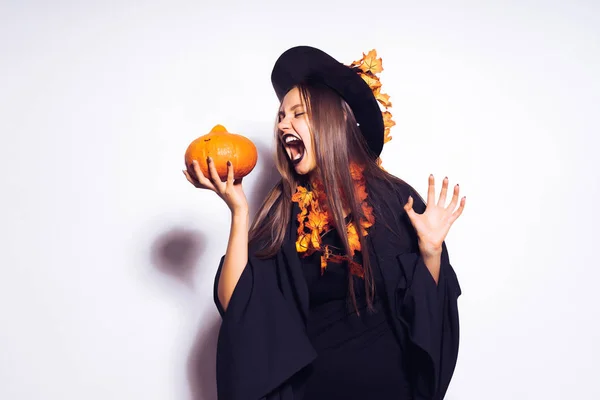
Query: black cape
262, 341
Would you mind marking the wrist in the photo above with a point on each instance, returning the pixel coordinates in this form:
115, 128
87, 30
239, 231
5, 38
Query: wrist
430, 251
241, 212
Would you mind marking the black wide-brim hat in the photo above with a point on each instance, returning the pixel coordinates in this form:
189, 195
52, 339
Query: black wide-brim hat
305, 64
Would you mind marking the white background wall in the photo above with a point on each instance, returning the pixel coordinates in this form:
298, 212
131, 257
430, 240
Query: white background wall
108, 254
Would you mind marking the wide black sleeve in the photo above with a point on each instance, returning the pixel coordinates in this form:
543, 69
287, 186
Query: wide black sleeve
429, 312
261, 341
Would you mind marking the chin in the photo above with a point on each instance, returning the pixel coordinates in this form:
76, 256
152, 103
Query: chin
303, 168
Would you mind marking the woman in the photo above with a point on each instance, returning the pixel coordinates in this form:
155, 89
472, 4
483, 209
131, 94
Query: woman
343, 288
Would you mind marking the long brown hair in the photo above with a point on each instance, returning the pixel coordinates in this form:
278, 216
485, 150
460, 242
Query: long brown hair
333, 126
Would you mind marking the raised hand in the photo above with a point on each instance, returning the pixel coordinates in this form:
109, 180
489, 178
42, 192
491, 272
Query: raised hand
433, 225
230, 191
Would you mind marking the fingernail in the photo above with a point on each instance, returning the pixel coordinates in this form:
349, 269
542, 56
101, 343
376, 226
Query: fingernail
229, 163
446, 178
208, 159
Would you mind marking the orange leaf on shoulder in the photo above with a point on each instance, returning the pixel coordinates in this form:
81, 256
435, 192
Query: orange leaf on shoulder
368, 211
356, 171
353, 240
356, 269
361, 192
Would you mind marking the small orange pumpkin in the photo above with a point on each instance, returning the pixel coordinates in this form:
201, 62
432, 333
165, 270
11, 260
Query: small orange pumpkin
222, 146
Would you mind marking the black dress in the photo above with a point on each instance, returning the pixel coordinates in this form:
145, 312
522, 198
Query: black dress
358, 355
264, 351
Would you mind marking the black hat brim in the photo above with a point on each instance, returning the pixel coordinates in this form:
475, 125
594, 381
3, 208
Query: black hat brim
303, 64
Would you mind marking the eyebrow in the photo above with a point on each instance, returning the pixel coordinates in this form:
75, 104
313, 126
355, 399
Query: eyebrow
282, 113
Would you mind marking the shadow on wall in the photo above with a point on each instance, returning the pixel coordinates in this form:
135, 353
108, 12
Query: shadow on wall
177, 253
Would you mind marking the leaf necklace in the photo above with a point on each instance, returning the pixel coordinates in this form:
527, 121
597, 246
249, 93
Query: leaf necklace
315, 222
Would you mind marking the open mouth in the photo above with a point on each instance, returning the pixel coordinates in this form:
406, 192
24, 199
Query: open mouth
294, 147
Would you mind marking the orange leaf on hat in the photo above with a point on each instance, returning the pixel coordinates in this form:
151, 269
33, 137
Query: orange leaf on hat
384, 99
387, 123
387, 119
371, 80
370, 63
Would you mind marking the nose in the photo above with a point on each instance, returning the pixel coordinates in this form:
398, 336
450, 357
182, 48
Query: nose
284, 124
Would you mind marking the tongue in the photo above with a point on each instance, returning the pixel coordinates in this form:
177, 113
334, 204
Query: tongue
296, 151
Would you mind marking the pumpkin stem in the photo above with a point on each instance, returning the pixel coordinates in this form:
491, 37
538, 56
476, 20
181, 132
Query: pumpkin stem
218, 128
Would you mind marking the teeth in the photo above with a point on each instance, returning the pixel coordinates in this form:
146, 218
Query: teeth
289, 139
298, 156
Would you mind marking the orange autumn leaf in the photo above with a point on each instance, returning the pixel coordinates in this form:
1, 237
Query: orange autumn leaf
386, 135
388, 122
317, 220
302, 243
369, 218
301, 218
323, 264
302, 196
353, 240
371, 80
356, 171
387, 119
361, 192
370, 63
356, 269
384, 99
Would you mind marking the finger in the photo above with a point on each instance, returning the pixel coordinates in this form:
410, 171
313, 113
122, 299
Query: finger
442, 199
454, 200
459, 210
408, 208
214, 176
196, 183
229, 175
431, 191
202, 180
189, 178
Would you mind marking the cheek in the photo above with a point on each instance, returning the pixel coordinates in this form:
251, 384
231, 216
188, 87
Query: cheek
302, 130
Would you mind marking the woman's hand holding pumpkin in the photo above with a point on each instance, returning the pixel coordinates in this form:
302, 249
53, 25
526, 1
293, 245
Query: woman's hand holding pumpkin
433, 225
230, 191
